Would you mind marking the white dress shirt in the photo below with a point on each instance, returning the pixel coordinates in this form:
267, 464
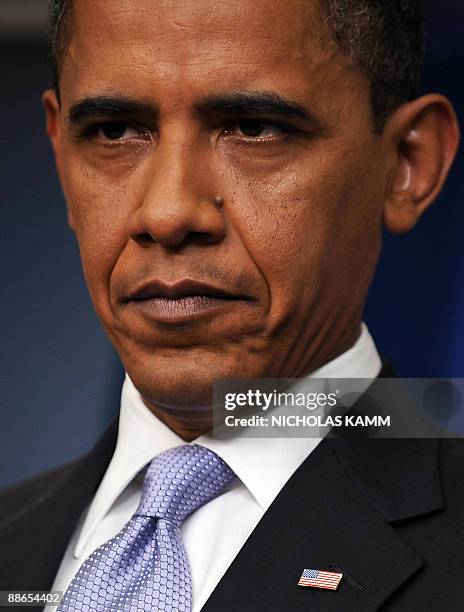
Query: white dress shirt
215, 533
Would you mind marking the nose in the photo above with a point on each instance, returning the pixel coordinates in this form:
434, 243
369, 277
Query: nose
180, 203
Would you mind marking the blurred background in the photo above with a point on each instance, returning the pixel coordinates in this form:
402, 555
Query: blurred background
60, 379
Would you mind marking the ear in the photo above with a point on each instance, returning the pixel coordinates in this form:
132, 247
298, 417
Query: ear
423, 137
53, 124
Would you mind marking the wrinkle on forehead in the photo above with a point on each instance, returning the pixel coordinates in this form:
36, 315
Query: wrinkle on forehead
171, 30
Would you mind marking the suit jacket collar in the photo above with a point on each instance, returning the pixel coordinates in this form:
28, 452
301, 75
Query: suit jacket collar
399, 477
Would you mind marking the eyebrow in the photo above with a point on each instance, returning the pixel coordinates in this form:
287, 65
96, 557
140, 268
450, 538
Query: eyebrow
107, 106
236, 103
256, 103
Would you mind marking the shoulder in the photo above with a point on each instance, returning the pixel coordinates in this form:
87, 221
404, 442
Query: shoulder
452, 468
78, 476
22, 497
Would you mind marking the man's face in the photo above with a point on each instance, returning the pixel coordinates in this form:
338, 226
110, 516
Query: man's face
225, 185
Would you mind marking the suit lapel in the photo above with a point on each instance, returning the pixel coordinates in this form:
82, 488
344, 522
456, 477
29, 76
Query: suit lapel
36, 527
331, 515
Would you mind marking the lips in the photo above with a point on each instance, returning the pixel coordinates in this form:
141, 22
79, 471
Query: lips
182, 301
182, 289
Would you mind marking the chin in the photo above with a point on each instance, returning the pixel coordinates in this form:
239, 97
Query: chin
183, 379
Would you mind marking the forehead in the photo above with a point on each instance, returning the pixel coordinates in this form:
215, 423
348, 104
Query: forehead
188, 47
198, 24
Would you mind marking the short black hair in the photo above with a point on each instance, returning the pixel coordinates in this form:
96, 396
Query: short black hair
385, 37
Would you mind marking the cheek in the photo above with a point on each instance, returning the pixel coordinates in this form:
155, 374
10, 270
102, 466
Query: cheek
283, 219
309, 226
99, 211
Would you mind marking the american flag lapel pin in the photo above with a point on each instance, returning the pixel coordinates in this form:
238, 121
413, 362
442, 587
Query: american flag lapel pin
320, 580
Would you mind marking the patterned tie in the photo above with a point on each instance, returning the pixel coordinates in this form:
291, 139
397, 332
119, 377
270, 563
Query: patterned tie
145, 566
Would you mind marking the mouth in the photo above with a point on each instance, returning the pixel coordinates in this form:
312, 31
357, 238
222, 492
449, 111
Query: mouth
182, 301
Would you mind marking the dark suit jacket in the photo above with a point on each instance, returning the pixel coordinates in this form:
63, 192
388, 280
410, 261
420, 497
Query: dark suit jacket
389, 514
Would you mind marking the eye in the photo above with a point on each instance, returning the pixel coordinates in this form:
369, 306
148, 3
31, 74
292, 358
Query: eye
115, 130
258, 129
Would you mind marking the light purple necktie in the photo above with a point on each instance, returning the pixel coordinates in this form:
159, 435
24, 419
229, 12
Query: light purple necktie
145, 566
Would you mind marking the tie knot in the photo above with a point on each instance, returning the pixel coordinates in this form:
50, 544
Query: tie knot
180, 480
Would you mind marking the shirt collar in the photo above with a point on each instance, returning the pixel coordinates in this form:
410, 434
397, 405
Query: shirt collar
263, 465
